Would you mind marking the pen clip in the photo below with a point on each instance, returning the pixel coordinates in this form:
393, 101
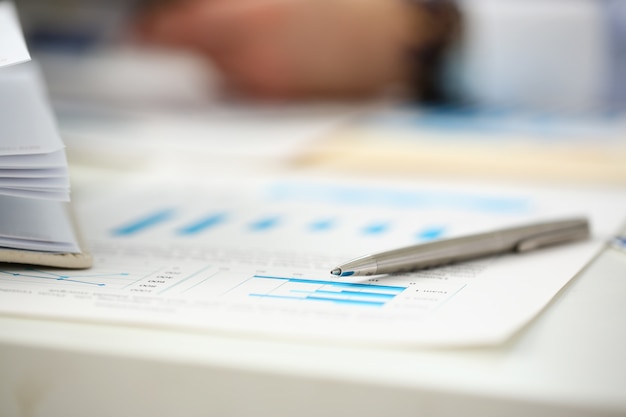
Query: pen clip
553, 237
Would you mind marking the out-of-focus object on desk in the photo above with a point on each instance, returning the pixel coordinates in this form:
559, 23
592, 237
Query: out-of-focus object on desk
231, 135
32, 154
35, 227
503, 143
122, 104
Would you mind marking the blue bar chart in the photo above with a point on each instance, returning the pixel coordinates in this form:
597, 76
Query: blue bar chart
312, 290
174, 224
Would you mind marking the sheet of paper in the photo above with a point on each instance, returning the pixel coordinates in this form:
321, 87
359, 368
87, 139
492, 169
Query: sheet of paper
12, 46
36, 183
28, 125
54, 160
255, 256
32, 173
36, 224
29, 140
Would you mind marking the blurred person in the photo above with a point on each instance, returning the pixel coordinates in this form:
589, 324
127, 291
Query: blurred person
554, 54
299, 48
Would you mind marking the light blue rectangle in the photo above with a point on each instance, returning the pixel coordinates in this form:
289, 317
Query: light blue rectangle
322, 225
265, 224
349, 285
431, 233
418, 198
352, 294
144, 223
376, 228
331, 300
202, 224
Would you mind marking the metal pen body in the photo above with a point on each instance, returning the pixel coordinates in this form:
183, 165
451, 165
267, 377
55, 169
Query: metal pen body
441, 252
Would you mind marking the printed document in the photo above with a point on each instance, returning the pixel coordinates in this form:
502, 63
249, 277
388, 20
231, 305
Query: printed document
254, 257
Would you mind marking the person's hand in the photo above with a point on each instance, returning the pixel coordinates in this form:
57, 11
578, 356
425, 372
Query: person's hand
294, 48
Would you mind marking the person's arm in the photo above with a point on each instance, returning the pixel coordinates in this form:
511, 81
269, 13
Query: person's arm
307, 48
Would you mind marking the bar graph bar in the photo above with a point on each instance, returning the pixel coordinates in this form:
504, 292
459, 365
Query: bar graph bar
143, 223
203, 224
264, 223
376, 228
430, 233
321, 225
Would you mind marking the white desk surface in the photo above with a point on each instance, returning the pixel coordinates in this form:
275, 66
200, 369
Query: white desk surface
569, 361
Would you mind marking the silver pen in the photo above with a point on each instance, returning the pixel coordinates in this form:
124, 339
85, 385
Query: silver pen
441, 252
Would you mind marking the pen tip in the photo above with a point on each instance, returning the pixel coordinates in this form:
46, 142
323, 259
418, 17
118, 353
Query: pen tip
336, 271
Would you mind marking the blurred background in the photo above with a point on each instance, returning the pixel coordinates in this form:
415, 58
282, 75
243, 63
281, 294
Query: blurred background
124, 105
87, 51
121, 103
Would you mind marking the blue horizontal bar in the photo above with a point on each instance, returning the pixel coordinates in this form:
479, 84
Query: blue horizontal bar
352, 293
202, 224
322, 225
431, 233
333, 300
144, 223
376, 228
264, 224
337, 283
380, 196
347, 301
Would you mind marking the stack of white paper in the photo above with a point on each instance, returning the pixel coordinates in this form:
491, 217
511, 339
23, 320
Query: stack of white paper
34, 180
32, 155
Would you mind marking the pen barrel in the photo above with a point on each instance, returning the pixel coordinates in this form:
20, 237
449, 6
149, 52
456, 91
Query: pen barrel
443, 252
